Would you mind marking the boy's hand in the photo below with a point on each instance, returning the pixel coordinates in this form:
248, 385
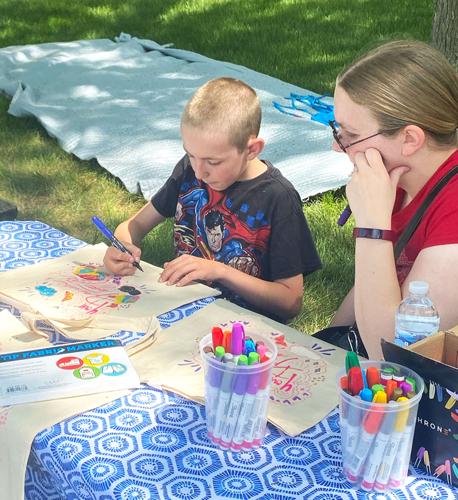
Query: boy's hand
121, 263
187, 268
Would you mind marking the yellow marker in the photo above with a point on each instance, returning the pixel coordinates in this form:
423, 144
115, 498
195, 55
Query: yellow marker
380, 397
401, 419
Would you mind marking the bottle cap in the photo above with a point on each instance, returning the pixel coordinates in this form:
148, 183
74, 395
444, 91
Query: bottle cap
418, 287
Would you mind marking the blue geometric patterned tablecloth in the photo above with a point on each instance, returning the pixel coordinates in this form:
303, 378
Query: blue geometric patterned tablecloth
152, 444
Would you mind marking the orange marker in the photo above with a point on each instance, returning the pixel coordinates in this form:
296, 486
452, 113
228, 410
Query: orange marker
391, 385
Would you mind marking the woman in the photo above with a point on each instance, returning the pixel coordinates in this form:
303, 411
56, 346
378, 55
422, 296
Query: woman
396, 117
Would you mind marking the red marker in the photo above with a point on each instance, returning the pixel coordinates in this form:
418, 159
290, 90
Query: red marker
355, 380
217, 336
344, 383
372, 376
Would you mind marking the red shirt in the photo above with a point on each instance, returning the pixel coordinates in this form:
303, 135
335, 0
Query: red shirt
439, 224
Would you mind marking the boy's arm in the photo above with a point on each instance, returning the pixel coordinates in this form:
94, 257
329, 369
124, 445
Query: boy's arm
283, 296
131, 232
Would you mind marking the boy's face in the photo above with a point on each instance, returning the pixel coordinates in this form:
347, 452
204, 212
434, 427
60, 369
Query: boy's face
214, 160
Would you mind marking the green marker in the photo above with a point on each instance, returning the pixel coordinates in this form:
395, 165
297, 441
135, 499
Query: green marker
412, 382
243, 360
253, 358
351, 360
219, 352
377, 387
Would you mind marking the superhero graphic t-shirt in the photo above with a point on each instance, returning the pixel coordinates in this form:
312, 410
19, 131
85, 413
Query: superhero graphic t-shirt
256, 226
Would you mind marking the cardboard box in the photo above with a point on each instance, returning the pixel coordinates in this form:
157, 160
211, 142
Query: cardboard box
435, 359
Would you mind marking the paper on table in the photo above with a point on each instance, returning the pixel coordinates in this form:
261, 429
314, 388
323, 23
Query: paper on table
83, 301
304, 388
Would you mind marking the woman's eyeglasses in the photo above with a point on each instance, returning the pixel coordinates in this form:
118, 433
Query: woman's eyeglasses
335, 132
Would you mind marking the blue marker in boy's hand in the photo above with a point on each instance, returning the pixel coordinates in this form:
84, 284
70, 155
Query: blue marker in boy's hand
114, 241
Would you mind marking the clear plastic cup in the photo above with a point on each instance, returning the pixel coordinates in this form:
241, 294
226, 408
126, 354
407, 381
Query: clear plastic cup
236, 398
377, 437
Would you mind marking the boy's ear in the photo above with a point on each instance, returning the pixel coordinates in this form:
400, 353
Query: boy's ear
413, 139
255, 146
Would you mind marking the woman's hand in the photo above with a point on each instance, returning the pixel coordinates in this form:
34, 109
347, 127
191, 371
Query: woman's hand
121, 263
371, 191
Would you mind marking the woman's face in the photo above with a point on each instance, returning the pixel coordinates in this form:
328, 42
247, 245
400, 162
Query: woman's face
356, 123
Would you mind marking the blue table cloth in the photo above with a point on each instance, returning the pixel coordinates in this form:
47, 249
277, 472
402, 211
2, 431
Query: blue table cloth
152, 444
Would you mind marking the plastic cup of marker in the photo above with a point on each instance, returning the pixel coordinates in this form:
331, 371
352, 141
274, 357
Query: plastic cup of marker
377, 434
237, 393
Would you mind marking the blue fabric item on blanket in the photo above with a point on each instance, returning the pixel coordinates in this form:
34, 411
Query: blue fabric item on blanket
121, 101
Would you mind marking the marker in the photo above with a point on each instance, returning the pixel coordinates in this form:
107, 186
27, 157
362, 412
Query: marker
224, 398
400, 468
261, 350
344, 216
351, 359
114, 241
371, 424
397, 393
373, 376
378, 388
405, 387
412, 382
253, 358
237, 341
391, 385
214, 376
343, 382
238, 391
387, 374
355, 380
249, 346
246, 418
217, 337
383, 474
219, 353
227, 341
352, 429
366, 394
208, 349
376, 455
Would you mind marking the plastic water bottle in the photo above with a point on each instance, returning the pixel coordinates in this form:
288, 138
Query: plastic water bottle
416, 317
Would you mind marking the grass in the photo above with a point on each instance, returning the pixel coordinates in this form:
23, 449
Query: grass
304, 42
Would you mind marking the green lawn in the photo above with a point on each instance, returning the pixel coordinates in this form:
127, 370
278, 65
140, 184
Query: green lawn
303, 42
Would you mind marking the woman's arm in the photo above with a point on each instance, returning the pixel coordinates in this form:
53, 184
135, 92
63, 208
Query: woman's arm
345, 315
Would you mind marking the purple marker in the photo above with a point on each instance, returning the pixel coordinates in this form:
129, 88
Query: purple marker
247, 418
238, 392
344, 216
237, 341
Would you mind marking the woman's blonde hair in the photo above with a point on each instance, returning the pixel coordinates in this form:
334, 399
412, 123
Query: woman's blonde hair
406, 82
225, 105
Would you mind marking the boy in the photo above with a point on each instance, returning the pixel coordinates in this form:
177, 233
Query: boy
238, 222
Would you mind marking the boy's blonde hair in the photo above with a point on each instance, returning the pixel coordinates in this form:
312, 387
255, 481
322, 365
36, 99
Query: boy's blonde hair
227, 105
406, 82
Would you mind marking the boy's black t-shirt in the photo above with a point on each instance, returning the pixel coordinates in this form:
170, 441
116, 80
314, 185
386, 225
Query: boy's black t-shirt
256, 226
